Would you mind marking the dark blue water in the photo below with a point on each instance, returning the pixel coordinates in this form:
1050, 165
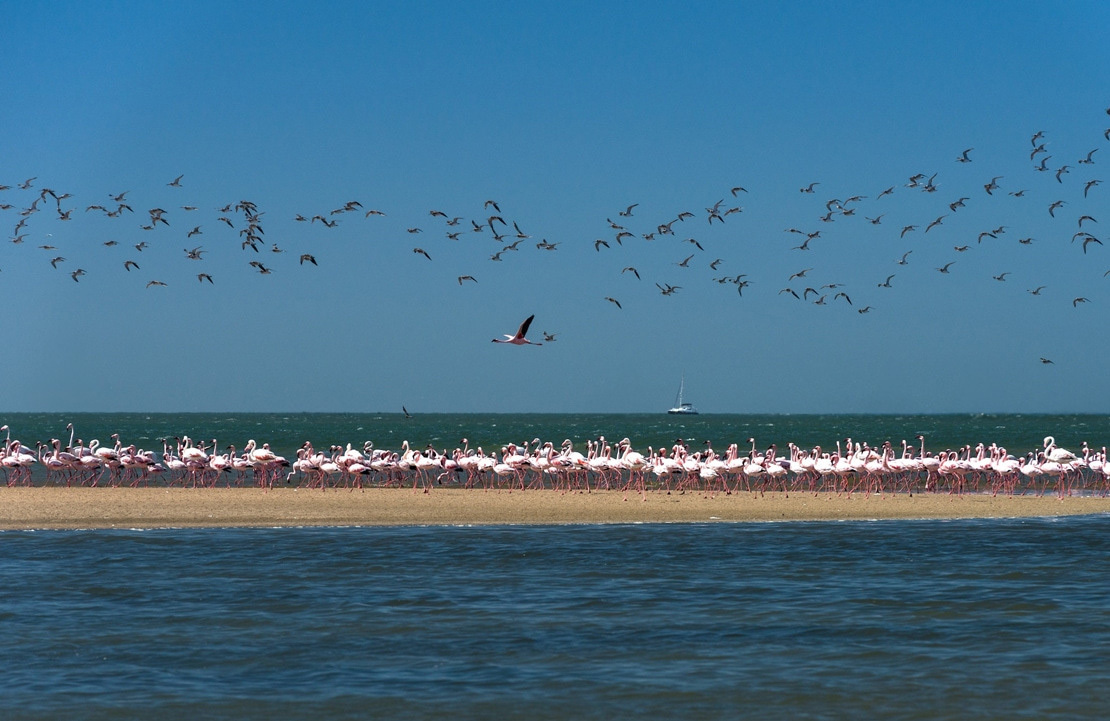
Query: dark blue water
902, 619
285, 432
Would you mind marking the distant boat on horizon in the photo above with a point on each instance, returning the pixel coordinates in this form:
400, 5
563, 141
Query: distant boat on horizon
681, 407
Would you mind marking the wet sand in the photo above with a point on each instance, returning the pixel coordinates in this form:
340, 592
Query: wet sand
44, 508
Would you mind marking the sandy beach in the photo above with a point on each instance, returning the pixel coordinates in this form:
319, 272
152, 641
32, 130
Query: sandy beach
46, 508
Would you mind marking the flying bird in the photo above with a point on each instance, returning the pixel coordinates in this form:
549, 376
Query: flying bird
467, 277
155, 283
176, 182
203, 277
128, 264
1046, 361
946, 266
549, 337
963, 156
422, 252
307, 258
614, 301
1075, 302
519, 338
632, 270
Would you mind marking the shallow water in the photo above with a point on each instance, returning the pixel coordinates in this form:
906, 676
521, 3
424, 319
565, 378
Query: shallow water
905, 619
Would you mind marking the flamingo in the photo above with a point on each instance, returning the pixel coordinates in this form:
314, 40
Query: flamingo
519, 338
1058, 455
262, 458
636, 464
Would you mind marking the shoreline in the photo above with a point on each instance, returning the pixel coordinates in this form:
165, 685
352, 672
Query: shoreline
148, 508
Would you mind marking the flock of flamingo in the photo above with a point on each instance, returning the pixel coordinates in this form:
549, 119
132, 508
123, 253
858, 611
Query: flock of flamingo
851, 468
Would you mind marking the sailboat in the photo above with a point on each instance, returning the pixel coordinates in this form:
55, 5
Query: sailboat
681, 407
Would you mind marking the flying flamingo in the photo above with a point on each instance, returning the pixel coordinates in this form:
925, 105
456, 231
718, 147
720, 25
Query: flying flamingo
519, 338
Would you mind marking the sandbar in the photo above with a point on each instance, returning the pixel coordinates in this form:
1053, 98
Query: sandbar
77, 508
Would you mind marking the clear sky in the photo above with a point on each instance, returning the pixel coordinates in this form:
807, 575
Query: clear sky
565, 115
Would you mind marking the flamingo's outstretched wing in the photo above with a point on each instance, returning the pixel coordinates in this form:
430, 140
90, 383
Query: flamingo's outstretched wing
523, 330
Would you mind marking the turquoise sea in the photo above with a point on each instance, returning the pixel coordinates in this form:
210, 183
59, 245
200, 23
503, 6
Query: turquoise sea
285, 432
970, 619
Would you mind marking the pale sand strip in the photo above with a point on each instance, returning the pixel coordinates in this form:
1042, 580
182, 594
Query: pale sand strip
42, 508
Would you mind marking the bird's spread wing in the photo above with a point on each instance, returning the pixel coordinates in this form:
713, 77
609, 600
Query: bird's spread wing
523, 331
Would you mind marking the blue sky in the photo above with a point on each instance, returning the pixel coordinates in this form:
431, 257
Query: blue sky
564, 114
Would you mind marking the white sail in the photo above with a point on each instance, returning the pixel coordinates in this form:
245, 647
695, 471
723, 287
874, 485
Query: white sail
681, 407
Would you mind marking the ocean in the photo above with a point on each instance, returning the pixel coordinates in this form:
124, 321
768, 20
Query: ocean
969, 619
285, 432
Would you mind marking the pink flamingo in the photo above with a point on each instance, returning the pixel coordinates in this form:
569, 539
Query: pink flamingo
519, 338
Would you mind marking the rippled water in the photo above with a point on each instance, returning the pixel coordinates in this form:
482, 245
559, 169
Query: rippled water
287, 431
906, 619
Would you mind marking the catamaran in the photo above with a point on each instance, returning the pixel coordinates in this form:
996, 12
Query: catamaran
681, 407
